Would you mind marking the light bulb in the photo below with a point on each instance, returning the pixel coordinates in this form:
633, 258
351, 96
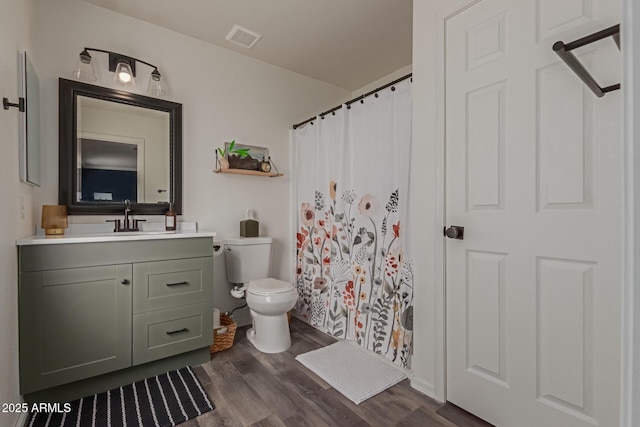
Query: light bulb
124, 77
123, 74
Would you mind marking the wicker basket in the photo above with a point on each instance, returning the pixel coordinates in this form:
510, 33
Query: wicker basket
224, 340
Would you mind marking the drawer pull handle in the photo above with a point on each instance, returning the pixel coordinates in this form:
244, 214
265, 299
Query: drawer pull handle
177, 331
177, 284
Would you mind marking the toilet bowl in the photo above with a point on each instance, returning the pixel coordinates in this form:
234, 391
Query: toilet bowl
269, 300
248, 262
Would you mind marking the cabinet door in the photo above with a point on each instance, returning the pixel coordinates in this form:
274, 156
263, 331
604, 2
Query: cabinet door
74, 324
172, 283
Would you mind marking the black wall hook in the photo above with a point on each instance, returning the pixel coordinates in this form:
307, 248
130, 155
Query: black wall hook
20, 105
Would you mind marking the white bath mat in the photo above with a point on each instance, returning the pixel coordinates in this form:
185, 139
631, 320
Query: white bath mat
355, 372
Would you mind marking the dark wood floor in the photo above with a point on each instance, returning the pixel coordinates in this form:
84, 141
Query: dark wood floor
250, 388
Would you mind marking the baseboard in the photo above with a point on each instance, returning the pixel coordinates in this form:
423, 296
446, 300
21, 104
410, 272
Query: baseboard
424, 387
98, 384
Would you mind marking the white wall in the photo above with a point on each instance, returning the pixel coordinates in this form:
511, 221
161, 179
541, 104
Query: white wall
382, 81
225, 96
15, 26
428, 358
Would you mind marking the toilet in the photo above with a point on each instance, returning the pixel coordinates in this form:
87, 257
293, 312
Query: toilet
248, 262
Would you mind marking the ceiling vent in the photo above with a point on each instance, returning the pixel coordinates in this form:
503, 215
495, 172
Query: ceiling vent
243, 37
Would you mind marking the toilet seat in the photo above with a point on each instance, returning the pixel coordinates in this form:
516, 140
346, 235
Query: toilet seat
269, 286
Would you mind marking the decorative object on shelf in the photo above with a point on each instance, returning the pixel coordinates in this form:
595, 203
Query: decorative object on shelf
223, 162
248, 163
229, 148
123, 67
247, 157
265, 165
245, 160
54, 219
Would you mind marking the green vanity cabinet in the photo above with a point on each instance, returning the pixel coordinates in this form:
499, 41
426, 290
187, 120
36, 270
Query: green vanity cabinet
89, 309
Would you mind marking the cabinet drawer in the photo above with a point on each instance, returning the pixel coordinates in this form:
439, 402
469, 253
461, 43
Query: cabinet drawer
173, 283
163, 333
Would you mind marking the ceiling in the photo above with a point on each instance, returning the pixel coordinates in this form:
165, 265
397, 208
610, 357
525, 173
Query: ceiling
347, 43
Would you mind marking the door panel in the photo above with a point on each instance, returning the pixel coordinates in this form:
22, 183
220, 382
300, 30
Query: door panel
565, 333
486, 340
485, 147
565, 153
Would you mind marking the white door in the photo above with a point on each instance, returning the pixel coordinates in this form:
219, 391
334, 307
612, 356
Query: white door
533, 174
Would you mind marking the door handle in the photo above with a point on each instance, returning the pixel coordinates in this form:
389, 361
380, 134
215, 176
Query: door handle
454, 232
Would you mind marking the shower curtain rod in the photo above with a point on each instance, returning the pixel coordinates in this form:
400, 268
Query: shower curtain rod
359, 98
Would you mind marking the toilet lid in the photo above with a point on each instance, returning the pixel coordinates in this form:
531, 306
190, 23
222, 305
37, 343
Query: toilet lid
269, 286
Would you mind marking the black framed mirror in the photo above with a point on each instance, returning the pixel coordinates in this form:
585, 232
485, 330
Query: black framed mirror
117, 146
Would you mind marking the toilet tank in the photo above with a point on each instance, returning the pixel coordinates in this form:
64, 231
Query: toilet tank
247, 258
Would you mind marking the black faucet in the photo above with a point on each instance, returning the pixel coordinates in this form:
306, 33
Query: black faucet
127, 226
127, 209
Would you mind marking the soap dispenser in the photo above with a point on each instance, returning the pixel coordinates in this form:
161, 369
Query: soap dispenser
170, 219
249, 227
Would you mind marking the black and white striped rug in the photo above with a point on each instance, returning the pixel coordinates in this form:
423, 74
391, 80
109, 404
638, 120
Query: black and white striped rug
165, 400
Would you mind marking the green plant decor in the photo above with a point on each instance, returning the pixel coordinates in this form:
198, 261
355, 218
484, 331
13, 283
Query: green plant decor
242, 152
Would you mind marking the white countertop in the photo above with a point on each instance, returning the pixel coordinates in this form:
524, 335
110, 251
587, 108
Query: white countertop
94, 233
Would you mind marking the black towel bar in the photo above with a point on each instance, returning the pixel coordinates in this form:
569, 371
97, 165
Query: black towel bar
564, 52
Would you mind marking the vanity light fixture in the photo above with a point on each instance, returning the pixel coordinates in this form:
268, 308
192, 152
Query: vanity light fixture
123, 67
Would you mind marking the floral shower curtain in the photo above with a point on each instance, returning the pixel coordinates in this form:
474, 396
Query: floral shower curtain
354, 272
